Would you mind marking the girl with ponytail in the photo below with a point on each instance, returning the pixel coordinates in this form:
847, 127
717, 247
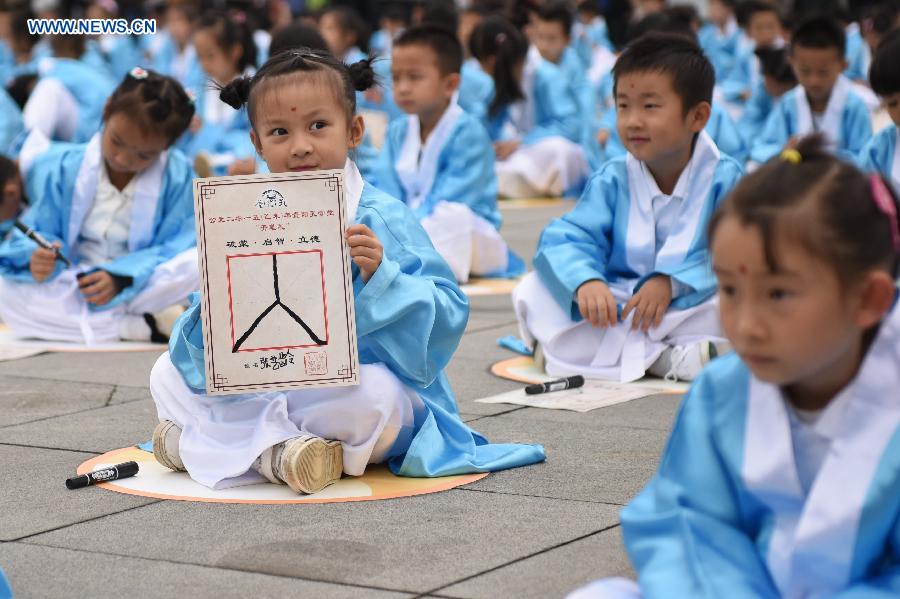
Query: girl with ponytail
533, 118
410, 316
120, 208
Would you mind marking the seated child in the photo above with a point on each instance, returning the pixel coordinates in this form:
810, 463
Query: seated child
439, 160
762, 29
877, 20
720, 36
393, 20
410, 316
218, 141
622, 283
11, 123
120, 207
777, 79
590, 34
172, 51
881, 154
824, 102
67, 102
534, 118
781, 477
12, 197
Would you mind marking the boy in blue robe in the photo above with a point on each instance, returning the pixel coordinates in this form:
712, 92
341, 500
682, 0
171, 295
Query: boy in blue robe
719, 38
824, 102
880, 154
621, 284
761, 25
777, 79
440, 161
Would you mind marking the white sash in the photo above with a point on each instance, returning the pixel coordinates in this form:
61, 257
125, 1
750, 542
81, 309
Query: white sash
417, 166
640, 246
146, 196
811, 547
834, 111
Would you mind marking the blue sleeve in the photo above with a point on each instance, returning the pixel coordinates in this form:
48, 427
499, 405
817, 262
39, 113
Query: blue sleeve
466, 175
575, 248
727, 137
775, 133
384, 175
556, 108
857, 129
411, 314
755, 113
685, 531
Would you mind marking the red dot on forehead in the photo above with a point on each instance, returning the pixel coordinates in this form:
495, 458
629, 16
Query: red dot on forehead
742, 269
293, 109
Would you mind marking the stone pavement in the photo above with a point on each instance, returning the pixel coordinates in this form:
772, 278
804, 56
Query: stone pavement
538, 531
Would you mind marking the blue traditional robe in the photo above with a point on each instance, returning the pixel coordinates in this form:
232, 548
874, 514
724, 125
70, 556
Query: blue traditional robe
11, 125
756, 113
728, 513
89, 87
857, 54
384, 84
720, 46
62, 180
476, 88
588, 36
409, 316
845, 123
185, 69
610, 234
880, 155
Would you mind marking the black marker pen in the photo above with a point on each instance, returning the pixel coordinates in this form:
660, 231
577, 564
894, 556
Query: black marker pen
38, 239
104, 475
570, 382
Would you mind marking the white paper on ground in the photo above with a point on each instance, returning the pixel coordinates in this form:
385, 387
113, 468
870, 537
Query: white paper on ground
594, 394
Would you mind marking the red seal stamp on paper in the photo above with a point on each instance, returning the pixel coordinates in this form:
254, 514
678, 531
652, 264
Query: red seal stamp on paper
315, 363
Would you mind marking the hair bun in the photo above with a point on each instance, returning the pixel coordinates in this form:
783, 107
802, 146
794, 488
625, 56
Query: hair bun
235, 94
362, 75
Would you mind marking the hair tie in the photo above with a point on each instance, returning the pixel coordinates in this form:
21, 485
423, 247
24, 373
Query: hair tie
501, 37
885, 204
138, 73
791, 155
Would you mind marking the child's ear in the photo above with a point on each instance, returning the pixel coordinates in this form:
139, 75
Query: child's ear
357, 131
699, 116
451, 83
876, 296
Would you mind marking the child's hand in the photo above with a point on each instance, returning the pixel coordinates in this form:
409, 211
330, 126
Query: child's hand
242, 166
98, 287
42, 262
603, 137
504, 149
365, 249
596, 303
650, 303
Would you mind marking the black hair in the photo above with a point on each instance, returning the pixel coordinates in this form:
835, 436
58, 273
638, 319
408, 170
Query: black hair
297, 35
20, 88
397, 11
880, 18
67, 45
675, 54
18, 27
825, 203
520, 11
156, 103
729, 3
589, 6
820, 32
228, 32
556, 11
353, 78
8, 170
884, 72
445, 45
495, 36
748, 8
682, 16
441, 14
774, 63
351, 21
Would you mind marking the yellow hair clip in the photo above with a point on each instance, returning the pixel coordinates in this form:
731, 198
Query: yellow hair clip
791, 155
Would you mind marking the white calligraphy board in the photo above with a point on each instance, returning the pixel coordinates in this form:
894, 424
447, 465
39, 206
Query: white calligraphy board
276, 282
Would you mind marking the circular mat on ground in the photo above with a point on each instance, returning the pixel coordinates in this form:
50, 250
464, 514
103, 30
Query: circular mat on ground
477, 286
154, 480
524, 370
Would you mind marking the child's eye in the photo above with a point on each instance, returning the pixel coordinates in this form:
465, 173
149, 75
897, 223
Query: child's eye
728, 290
651, 106
779, 294
318, 125
278, 131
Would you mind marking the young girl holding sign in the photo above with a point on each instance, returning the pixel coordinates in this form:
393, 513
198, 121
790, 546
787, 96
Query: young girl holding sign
410, 316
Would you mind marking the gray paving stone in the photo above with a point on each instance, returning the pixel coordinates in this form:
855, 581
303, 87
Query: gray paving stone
125, 394
448, 536
85, 574
96, 431
585, 461
554, 573
130, 368
35, 498
27, 399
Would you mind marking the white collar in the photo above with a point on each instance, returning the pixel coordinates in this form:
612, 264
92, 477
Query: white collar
831, 118
416, 163
353, 184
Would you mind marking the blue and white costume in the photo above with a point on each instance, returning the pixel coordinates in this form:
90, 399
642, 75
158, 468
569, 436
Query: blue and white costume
881, 155
151, 242
845, 123
410, 317
623, 231
588, 37
550, 160
67, 102
755, 114
11, 123
449, 184
179, 63
476, 88
224, 134
756, 499
720, 45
